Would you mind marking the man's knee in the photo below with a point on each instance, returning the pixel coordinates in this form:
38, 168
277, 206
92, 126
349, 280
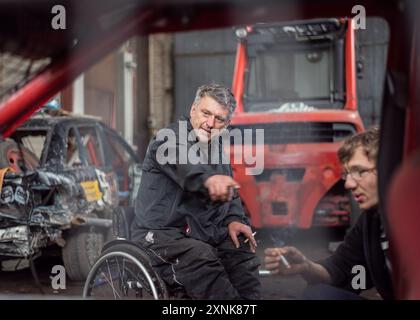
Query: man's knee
201, 252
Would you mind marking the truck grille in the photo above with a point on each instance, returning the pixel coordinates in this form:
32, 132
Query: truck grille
279, 208
298, 132
291, 174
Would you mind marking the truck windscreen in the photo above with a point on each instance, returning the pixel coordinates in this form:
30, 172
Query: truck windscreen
298, 76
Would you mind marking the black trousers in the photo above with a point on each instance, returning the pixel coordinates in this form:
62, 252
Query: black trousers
204, 271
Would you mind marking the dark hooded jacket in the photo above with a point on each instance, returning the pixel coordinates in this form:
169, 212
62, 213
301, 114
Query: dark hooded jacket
172, 195
362, 246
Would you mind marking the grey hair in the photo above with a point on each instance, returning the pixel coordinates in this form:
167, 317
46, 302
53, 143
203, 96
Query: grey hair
219, 93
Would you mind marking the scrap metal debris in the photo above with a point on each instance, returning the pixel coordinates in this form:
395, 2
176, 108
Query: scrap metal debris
35, 207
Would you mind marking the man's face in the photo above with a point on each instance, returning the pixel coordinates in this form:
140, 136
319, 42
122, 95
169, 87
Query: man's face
208, 115
362, 180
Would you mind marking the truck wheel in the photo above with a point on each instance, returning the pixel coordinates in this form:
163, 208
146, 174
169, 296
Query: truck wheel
18, 158
83, 247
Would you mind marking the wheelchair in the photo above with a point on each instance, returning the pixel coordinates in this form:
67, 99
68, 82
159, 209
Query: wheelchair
124, 269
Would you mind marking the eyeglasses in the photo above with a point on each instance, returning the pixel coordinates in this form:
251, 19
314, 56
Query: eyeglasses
356, 173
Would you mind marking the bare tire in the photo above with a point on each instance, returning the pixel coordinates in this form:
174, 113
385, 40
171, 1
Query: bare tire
83, 247
123, 271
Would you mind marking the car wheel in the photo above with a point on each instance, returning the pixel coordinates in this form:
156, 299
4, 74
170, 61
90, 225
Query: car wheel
83, 247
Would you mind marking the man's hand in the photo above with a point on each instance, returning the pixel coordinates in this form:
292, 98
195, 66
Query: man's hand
235, 228
312, 272
221, 187
273, 262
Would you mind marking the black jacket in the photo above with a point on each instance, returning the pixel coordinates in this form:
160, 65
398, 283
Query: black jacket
173, 195
362, 246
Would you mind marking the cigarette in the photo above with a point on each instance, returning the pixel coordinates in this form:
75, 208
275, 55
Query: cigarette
246, 240
285, 262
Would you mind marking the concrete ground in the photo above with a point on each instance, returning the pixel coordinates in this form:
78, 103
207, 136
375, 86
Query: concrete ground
313, 243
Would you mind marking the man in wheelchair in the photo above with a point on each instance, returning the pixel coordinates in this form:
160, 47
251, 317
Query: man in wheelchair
187, 213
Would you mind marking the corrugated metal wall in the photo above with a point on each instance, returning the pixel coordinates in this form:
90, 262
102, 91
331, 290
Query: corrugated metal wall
206, 56
372, 47
201, 57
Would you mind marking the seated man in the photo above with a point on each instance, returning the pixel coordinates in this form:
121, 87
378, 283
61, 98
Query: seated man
366, 244
186, 212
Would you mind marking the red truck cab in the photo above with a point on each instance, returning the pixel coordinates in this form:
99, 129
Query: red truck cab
297, 82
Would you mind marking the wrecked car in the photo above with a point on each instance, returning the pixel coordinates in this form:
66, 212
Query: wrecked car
63, 181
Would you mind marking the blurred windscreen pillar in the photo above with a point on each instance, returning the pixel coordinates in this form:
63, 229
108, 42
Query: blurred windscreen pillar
79, 95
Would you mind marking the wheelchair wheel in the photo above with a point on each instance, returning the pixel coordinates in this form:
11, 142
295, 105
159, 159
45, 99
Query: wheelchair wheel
123, 271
